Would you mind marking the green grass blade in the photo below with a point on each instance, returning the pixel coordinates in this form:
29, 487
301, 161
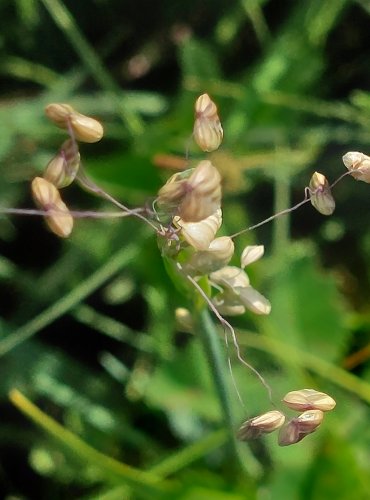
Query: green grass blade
145, 482
116, 262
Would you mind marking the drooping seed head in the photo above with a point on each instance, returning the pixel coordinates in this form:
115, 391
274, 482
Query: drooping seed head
263, 424
194, 195
253, 300
309, 420
84, 128
205, 107
62, 169
320, 194
203, 196
230, 277
299, 427
200, 234
228, 305
208, 132
59, 113
250, 254
47, 197
309, 399
358, 164
217, 255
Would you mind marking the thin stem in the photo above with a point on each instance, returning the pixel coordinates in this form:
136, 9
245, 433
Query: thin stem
228, 326
269, 219
87, 183
77, 214
288, 210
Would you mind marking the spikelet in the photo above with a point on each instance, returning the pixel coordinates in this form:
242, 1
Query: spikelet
320, 194
47, 197
85, 129
200, 234
309, 399
62, 169
217, 255
204, 196
194, 195
208, 132
262, 424
358, 164
299, 427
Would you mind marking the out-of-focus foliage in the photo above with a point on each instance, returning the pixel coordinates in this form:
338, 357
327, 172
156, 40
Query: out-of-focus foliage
87, 325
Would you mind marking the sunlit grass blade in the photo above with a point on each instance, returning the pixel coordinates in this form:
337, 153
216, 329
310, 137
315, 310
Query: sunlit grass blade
64, 20
145, 482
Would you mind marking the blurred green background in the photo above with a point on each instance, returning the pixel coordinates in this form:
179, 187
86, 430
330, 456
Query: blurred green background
87, 325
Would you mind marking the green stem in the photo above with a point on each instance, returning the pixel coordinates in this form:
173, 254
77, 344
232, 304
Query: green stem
220, 374
64, 20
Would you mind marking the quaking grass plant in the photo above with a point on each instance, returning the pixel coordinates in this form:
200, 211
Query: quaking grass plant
186, 216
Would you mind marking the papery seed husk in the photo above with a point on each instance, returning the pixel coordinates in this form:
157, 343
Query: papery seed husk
200, 234
47, 197
227, 308
358, 165
85, 128
203, 194
217, 255
300, 427
230, 276
262, 424
320, 194
289, 434
250, 254
205, 107
253, 300
353, 159
194, 194
59, 113
55, 171
174, 190
309, 399
62, 169
208, 134
309, 420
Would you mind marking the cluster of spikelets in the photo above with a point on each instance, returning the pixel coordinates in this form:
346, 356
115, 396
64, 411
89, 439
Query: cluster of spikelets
63, 168
192, 199
311, 403
187, 217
